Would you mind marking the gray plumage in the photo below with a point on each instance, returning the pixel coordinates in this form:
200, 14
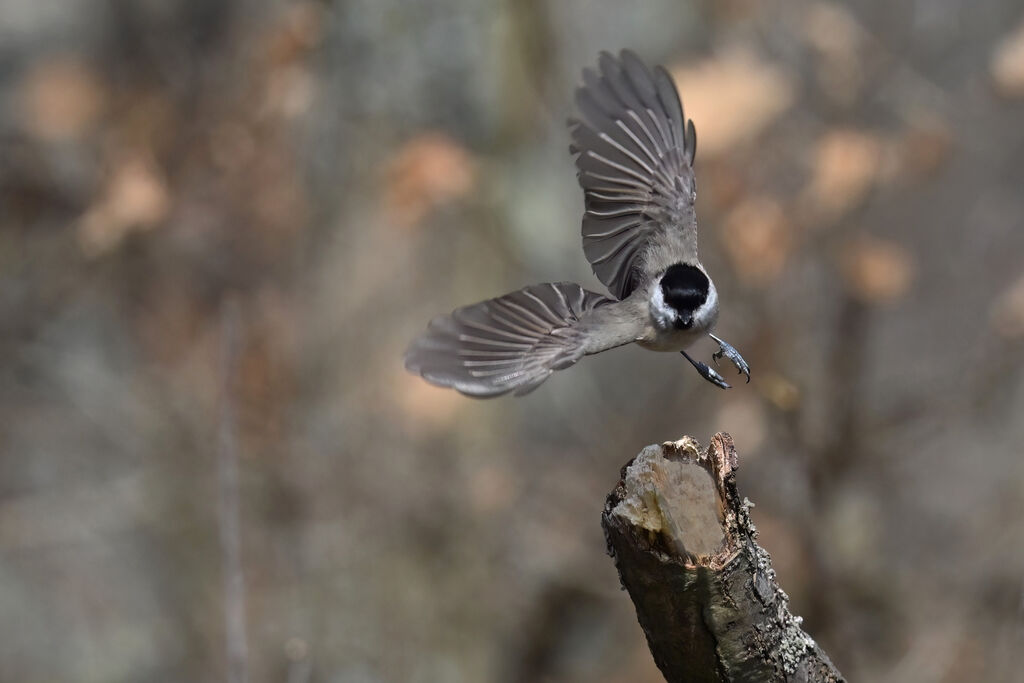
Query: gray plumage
514, 342
635, 166
634, 153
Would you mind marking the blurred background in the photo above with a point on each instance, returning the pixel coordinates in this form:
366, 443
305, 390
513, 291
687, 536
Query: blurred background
222, 222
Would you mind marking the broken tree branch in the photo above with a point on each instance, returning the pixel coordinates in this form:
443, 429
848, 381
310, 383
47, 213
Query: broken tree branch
704, 590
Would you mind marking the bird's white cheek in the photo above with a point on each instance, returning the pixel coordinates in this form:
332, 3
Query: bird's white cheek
705, 316
663, 315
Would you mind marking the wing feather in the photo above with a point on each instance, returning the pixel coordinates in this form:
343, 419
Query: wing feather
514, 342
634, 152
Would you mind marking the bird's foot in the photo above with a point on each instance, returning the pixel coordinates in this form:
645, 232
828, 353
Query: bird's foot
707, 372
730, 352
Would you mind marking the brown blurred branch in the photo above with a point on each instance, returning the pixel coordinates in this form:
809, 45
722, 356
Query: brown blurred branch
704, 590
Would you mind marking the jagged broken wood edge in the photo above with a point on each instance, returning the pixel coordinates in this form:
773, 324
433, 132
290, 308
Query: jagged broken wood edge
715, 616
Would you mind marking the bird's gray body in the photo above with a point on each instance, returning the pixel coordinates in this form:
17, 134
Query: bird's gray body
634, 152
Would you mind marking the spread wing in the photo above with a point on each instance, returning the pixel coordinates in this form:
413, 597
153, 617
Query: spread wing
635, 153
513, 342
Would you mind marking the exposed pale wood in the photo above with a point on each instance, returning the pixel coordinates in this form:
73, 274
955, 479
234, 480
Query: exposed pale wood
705, 592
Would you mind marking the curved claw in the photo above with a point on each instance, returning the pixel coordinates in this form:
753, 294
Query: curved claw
730, 352
713, 377
708, 373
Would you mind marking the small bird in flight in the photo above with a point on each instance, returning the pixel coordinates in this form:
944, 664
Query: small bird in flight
634, 153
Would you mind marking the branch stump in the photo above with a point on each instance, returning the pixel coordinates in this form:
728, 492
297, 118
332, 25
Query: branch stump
705, 592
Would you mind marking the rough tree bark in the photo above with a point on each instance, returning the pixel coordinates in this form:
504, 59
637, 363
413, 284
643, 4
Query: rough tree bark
704, 590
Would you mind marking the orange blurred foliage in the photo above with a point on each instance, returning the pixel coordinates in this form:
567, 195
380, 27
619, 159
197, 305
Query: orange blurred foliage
427, 171
876, 270
839, 39
732, 98
299, 28
60, 98
135, 198
758, 239
844, 168
1007, 64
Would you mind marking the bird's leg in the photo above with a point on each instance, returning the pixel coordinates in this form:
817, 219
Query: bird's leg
707, 372
727, 350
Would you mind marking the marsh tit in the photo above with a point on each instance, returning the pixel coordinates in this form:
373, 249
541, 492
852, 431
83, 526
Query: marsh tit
634, 153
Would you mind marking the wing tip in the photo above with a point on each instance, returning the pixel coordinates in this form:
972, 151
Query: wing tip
446, 379
629, 56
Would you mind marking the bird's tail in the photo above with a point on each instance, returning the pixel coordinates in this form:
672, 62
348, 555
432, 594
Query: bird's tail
511, 343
